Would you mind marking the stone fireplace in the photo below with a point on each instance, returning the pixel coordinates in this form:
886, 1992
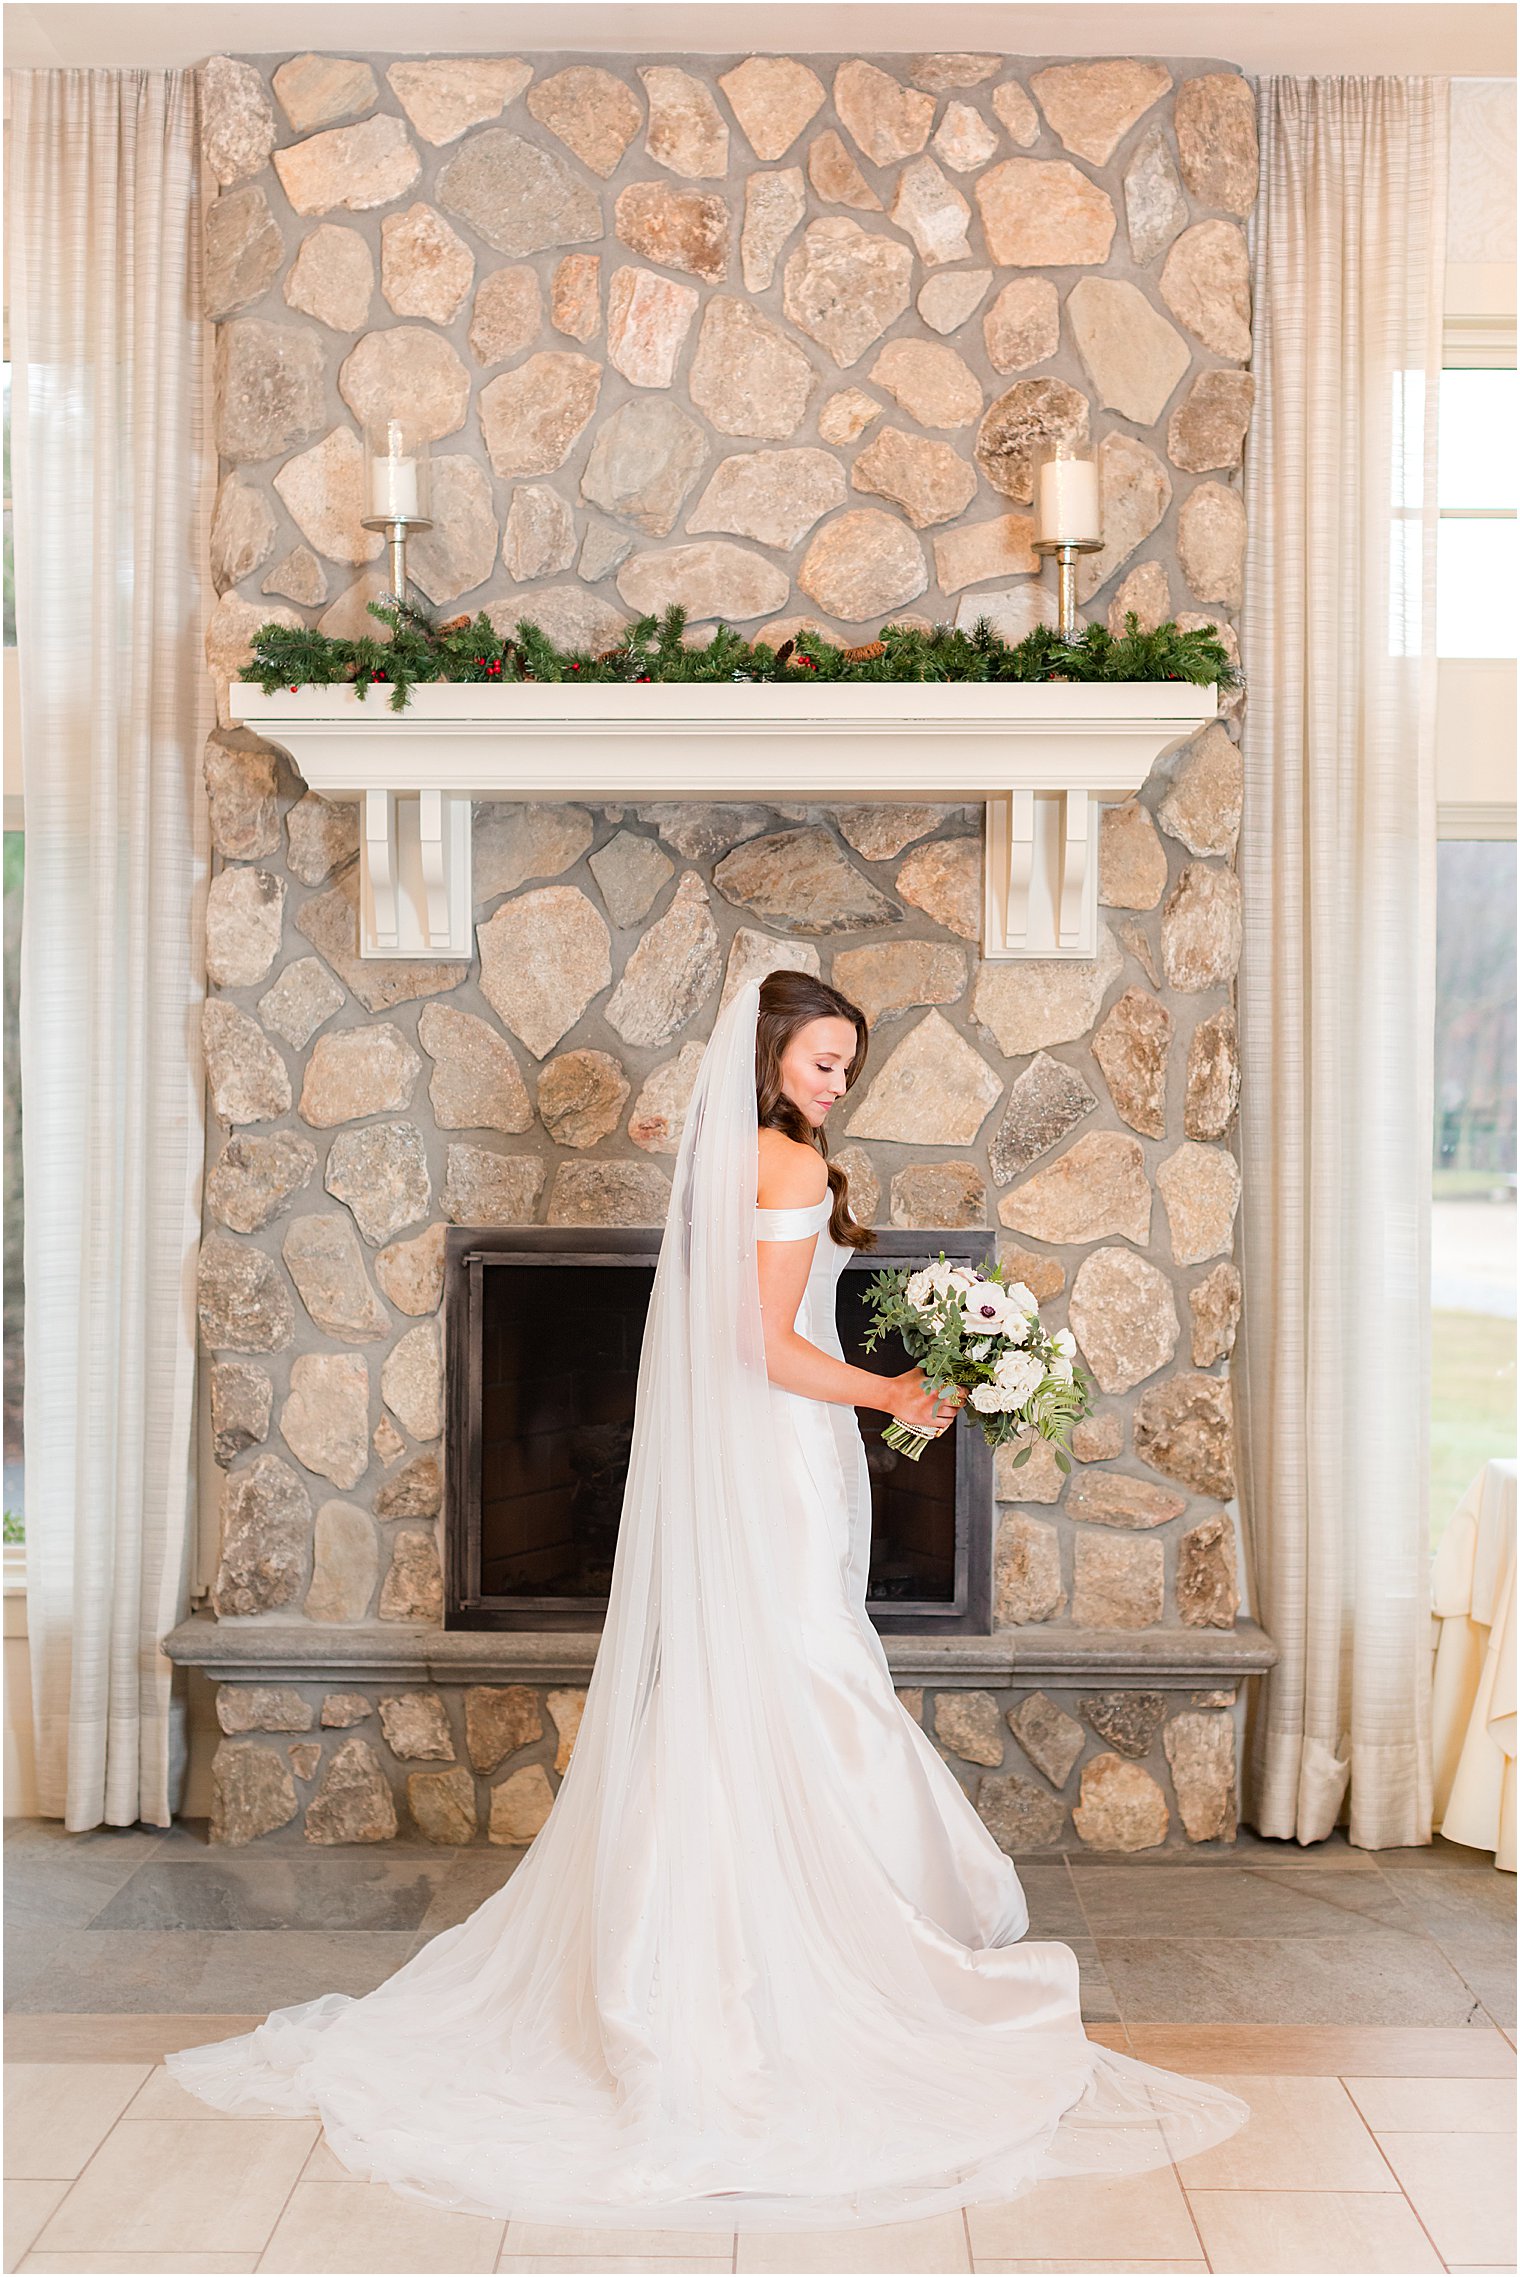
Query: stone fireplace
769, 337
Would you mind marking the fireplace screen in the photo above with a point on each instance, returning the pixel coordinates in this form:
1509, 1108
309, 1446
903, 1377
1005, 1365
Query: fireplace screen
544, 1329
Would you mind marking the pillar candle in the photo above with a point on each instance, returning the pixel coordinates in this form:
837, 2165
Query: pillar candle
1068, 501
393, 487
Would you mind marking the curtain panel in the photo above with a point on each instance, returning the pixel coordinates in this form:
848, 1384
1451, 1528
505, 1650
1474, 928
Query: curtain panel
111, 480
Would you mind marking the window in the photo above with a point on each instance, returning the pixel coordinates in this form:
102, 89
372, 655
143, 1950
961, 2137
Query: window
1478, 485
15, 1504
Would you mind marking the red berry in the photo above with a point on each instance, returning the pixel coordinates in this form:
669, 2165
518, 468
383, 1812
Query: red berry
295, 691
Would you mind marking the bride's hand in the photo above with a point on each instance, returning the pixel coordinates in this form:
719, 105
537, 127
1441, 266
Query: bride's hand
912, 1403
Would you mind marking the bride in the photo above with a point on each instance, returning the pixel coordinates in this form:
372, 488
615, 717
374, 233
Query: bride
761, 1968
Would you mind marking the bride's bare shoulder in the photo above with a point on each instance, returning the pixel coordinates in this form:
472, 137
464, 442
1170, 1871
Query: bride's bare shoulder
792, 1175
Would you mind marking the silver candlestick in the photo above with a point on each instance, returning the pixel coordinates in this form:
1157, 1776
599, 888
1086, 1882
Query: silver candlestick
396, 527
1066, 551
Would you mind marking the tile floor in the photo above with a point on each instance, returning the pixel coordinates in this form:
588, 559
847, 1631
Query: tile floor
1362, 2004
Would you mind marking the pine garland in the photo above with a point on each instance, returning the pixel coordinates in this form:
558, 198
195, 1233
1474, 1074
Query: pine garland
470, 649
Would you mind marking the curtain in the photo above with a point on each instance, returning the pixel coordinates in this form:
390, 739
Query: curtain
1336, 989
111, 476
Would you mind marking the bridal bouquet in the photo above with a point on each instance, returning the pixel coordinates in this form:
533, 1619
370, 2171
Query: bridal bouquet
973, 1331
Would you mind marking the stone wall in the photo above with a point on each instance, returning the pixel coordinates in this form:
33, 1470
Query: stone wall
771, 338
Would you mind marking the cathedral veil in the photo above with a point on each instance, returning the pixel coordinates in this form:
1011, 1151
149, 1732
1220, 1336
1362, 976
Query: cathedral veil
700, 2001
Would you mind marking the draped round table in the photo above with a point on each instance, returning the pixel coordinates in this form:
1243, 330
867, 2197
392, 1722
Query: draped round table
1473, 1706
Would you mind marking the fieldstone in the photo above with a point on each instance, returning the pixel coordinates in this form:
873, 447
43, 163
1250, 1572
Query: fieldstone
1121, 1807
415, 1492
358, 1071
885, 120
1020, 119
1023, 325
863, 1187
520, 1805
932, 212
1128, 1721
326, 1263
243, 251
602, 548
1137, 491
1200, 1186
1012, 613
1111, 1498
314, 90
648, 318
930, 382
969, 1725
1211, 543
268, 388
349, 618
1050, 1738
681, 229
979, 550
808, 628
671, 970
1132, 1047
507, 315
1044, 1000
380, 1172
1208, 1596
498, 1720
387, 1441
242, 1302
355, 166
1201, 928
1097, 1187
863, 564
1039, 1478
644, 461
1215, 1304
592, 113
1124, 1317
1155, 209
442, 1805
1026, 1571
476, 1083
686, 133
323, 492
521, 199
484, 1188
932, 1195
532, 416
1097, 1438
1019, 1815
1044, 213
609, 1193
1043, 1276
411, 1272
1184, 1429
1092, 106
253, 1178
844, 285
747, 376
539, 537
239, 775
630, 872
1208, 428
946, 299
354, 1801
963, 138
1145, 594
516, 841
341, 1710
570, 615
753, 954
1119, 1582
773, 97
659, 1112
1044, 1102
774, 204
880, 830
345, 1564
413, 1588
242, 1398
701, 830
1133, 357
836, 178
1132, 859
409, 374
893, 976
1206, 283
934, 1090
237, 124
1215, 118
774, 497
1201, 1753
543, 958
459, 551
325, 1419
847, 415
266, 1524
262, 1707
707, 579
1203, 800
566, 1707
930, 481
244, 913
1026, 414
321, 833
330, 921
799, 881
332, 278
416, 1727
426, 269
939, 73
445, 95
252, 1793
248, 1080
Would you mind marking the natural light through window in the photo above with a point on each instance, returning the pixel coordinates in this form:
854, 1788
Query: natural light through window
1477, 549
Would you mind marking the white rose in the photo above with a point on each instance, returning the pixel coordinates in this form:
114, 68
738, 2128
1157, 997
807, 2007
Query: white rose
979, 1351
987, 1399
1062, 1367
1066, 1344
1020, 1375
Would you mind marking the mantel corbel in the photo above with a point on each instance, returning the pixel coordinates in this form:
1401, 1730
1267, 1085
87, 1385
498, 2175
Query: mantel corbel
1045, 758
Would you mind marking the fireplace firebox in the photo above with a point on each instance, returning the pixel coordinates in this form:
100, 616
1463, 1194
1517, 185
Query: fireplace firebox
543, 1328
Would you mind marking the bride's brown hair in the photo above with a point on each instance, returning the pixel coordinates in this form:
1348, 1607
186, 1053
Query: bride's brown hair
788, 1001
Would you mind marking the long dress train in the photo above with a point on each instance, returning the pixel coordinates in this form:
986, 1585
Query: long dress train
762, 1966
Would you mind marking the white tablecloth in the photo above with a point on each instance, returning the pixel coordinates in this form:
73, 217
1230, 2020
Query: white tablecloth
1473, 1708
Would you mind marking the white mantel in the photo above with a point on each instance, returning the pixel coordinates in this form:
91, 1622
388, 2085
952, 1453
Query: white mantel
1045, 757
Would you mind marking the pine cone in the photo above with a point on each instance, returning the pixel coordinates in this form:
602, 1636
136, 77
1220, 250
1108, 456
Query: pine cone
866, 652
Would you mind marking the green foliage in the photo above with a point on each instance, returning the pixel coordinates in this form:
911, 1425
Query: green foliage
15, 1526
655, 648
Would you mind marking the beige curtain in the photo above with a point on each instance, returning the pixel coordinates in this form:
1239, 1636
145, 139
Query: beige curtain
110, 472
1336, 990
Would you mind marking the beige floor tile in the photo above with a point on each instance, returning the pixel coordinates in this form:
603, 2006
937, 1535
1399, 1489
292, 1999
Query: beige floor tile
148, 2264
937, 2243
363, 2226
161, 2097
1436, 2106
175, 2186
1096, 2268
579, 2264
1481, 2269
1332, 2233
48, 2038
1363, 2051
559, 2239
57, 2116
27, 2207
1090, 2218
1303, 2134
1463, 2189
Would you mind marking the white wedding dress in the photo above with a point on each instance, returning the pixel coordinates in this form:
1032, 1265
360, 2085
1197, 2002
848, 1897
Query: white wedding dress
761, 1966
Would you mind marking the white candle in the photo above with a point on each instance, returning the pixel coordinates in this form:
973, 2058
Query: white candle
393, 487
1068, 501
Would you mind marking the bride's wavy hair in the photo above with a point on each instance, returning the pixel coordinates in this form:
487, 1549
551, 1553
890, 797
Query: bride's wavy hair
788, 1001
